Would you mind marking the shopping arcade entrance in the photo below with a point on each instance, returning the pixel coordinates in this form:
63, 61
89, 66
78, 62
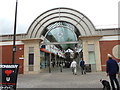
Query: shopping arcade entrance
61, 42
37, 31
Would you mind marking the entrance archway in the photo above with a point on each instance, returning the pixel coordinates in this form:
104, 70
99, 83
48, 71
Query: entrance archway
77, 23
79, 20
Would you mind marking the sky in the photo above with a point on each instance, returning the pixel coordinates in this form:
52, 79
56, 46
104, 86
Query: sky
102, 13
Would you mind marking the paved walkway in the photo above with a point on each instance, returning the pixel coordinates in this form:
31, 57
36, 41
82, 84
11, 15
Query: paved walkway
65, 79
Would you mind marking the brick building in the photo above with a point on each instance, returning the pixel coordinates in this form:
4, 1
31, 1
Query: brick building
96, 43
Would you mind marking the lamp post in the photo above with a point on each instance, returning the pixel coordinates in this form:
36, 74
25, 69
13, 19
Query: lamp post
50, 61
14, 36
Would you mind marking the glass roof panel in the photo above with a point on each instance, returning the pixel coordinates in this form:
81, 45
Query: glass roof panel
61, 32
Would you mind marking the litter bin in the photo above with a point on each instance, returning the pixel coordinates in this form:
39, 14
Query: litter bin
88, 67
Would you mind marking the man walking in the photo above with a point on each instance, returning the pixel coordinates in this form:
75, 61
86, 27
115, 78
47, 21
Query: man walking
119, 74
112, 69
74, 67
82, 65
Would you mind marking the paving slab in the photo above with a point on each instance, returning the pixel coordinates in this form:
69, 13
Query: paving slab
64, 79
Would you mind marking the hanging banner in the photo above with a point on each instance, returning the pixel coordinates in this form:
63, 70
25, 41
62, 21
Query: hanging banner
8, 79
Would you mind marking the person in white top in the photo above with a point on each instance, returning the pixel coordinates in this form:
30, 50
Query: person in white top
74, 67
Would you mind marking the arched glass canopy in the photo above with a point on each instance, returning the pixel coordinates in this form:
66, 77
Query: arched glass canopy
61, 32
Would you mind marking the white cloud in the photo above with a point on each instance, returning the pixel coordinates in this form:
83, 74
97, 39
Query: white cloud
100, 12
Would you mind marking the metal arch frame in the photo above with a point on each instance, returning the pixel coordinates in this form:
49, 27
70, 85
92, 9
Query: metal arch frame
58, 17
56, 43
61, 26
60, 8
51, 18
78, 22
81, 14
58, 20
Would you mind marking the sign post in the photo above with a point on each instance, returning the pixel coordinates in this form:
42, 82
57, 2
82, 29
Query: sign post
9, 72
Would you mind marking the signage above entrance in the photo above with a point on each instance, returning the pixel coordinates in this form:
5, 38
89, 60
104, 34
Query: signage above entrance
61, 24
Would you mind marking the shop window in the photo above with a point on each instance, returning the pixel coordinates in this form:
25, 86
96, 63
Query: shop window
31, 61
91, 54
91, 57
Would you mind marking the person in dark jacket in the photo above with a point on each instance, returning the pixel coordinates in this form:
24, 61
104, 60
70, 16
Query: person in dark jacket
82, 65
112, 69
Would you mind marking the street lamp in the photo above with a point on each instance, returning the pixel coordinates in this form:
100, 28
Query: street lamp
14, 36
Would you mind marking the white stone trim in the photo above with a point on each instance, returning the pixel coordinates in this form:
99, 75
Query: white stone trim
109, 38
11, 43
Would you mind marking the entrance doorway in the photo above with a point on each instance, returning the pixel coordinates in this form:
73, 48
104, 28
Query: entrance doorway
53, 57
60, 46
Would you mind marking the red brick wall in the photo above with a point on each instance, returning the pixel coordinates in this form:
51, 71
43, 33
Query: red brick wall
105, 48
7, 56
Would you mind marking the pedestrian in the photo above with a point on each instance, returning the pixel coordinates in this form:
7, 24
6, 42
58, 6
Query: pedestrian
119, 74
61, 66
53, 64
74, 67
82, 66
112, 69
